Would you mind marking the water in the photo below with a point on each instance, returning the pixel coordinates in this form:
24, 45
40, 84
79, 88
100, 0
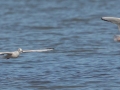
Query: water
85, 57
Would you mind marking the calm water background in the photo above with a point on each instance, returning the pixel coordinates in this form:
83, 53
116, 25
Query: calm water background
85, 57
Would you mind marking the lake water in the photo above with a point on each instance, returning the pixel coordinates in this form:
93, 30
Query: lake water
85, 56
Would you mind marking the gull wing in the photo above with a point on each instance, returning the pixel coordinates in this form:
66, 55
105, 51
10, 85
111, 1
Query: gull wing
2, 53
40, 50
113, 20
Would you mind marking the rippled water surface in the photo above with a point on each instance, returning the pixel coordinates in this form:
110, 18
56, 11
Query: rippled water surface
85, 56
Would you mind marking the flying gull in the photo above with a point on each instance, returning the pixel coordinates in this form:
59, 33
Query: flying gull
15, 54
115, 21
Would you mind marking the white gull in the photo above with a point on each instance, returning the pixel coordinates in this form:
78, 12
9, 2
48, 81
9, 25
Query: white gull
15, 54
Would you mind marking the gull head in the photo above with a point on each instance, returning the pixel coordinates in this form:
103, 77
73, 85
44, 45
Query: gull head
117, 38
20, 50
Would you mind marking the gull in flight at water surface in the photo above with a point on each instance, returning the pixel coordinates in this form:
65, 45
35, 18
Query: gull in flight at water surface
15, 54
115, 21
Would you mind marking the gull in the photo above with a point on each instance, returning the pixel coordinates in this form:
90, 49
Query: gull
15, 54
115, 21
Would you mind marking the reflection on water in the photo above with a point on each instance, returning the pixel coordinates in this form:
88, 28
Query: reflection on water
85, 57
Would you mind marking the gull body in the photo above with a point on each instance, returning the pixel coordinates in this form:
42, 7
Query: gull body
15, 54
115, 21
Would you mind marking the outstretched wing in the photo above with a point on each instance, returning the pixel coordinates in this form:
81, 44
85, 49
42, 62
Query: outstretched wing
113, 20
41, 50
2, 53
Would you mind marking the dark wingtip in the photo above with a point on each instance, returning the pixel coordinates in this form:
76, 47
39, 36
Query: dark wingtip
102, 18
50, 48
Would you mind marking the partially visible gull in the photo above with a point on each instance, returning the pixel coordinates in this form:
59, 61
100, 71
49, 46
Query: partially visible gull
115, 21
15, 54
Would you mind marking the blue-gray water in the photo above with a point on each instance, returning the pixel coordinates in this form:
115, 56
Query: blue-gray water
85, 57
